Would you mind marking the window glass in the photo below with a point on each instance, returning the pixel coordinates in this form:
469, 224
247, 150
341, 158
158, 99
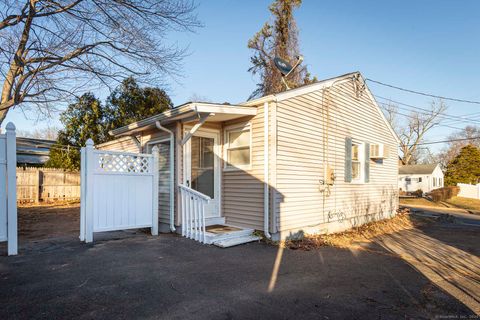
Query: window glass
356, 164
239, 157
239, 139
238, 148
355, 152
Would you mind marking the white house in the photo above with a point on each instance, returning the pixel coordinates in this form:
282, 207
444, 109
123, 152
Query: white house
425, 177
315, 159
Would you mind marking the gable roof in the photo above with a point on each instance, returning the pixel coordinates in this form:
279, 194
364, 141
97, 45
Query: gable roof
417, 169
322, 85
175, 113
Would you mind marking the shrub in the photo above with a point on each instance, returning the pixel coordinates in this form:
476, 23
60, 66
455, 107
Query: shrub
418, 193
445, 193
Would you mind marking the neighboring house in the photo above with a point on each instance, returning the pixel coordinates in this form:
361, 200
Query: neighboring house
315, 159
425, 177
33, 152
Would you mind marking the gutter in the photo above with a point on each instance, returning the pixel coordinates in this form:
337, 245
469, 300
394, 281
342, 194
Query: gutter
172, 178
266, 187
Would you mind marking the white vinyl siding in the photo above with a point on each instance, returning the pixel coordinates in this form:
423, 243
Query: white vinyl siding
242, 189
312, 131
127, 144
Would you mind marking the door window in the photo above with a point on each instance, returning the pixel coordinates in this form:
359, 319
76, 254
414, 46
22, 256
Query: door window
202, 165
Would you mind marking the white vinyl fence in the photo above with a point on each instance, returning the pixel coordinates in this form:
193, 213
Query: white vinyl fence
119, 190
469, 190
8, 196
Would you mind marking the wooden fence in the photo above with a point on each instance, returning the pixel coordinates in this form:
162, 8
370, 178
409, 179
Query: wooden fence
47, 185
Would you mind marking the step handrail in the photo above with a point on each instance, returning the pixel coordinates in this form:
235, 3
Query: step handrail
195, 192
193, 205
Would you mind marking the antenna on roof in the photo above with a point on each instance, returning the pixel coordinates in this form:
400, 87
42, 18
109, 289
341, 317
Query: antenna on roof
286, 68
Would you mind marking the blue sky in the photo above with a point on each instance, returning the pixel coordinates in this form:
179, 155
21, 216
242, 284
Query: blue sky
430, 46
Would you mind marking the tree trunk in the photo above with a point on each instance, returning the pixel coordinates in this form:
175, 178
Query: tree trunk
10, 94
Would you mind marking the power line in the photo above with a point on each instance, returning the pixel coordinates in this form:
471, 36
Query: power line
423, 93
443, 115
451, 140
410, 116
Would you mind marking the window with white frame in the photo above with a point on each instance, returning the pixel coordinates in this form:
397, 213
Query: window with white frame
357, 161
238, 146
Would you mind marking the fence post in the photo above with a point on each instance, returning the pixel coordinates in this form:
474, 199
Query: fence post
155, 159
82, 194
88, 187
11, 189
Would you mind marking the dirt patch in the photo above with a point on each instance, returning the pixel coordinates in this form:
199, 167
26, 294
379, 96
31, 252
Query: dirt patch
48, 221
364, 233
420, 202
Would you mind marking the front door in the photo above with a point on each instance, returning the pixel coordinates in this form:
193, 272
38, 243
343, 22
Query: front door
202, 168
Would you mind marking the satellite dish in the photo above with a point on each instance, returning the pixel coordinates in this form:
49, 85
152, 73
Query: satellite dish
286, 68
283, 66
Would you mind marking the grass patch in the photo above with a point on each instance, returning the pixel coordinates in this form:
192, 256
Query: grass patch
365, 233
465, 203
419, 202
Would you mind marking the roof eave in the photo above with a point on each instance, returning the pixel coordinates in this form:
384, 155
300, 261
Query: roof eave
181, 112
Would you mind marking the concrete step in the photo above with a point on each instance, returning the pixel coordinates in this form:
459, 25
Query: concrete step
212, 237
230, 242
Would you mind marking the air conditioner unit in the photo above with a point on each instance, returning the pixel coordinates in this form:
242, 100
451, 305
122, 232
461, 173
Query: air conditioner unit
378, 151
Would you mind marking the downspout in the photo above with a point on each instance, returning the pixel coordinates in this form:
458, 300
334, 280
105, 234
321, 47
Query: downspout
266, 200
172, 174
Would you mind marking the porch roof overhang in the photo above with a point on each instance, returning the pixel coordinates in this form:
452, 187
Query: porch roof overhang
188, 112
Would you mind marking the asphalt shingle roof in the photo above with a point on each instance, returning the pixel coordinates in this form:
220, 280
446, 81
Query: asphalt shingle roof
417, 169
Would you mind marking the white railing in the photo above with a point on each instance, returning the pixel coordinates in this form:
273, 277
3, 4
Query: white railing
193, 213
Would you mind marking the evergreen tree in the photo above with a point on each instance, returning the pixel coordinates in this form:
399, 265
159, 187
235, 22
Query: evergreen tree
465, 167
88, 118
277, 40
82, 120
129, 103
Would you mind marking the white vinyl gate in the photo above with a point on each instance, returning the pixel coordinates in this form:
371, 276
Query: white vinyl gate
8, 186
119, 190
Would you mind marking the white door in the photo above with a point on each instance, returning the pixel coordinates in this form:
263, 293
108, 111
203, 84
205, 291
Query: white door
202, 167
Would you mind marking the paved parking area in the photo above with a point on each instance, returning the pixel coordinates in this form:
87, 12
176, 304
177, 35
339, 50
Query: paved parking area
126, 275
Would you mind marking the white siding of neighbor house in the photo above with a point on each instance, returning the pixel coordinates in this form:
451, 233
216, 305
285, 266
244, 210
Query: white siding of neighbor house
427, 183
312, 131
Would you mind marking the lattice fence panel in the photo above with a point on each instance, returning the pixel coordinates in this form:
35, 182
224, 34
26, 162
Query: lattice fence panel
127, 163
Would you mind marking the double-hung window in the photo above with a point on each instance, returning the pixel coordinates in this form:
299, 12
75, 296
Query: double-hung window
238, 147
356, 162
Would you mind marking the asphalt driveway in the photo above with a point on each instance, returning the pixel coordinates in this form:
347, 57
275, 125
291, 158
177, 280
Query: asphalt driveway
128, 275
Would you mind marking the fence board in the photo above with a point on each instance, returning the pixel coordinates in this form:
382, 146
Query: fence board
47, 184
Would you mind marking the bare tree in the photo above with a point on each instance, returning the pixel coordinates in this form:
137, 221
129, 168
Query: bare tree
53, 49
469, 135
48, 133
412, 130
